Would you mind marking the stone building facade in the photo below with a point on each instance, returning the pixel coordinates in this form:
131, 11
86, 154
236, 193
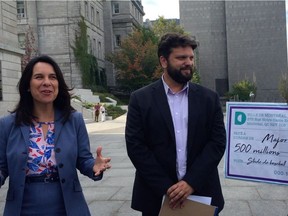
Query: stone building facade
10, 57
239, 40
55, 25
120, 18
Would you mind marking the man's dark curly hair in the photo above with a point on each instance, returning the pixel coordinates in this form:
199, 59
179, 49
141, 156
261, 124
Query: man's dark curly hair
174, 40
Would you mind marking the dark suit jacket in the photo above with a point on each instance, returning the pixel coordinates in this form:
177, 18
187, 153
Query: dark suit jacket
72, 149
151, 145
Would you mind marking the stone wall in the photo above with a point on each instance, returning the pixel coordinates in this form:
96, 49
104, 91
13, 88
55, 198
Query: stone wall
10, 57
239, 40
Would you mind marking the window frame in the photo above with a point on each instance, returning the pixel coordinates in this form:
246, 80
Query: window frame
92, 14
99, 48
86, 8
116, 8
21, 12
21, 43
98, 18
117, 40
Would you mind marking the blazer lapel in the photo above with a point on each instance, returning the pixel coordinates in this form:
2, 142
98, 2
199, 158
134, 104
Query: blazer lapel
193, 107
25, 130
58, 125
161, 102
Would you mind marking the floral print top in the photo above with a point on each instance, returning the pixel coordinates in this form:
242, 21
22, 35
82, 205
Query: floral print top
41, 158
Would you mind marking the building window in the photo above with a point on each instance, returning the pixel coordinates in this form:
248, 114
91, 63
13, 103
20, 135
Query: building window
86, 9
20, 9
135, 12
99, 49
94, 47
89, 44
92, 14
132, 11
117, 40
98, 18
1, 87
116, 8
21, 40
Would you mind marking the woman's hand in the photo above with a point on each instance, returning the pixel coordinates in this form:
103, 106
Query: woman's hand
101, 163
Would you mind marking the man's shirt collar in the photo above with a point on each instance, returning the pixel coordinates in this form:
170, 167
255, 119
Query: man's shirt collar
168, 90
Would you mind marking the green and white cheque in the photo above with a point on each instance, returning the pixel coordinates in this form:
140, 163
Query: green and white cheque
257, 142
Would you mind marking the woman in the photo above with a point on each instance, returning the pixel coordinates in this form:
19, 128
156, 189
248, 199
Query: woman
42, 143
97, 111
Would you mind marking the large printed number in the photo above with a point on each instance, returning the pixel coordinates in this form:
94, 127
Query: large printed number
242, 147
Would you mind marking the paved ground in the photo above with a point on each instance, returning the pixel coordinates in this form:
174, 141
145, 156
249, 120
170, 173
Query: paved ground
112, 195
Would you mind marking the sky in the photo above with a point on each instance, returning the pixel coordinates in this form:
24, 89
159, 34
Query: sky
155, 8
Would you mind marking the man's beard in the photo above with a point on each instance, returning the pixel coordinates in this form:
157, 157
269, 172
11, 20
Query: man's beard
178, 76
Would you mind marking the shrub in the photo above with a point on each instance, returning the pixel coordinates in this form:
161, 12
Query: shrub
114, 111
196, 77
243, 89
99, 89
87, 105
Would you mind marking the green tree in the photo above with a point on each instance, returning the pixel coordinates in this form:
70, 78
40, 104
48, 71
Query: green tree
162, 26
136, 60
87, 63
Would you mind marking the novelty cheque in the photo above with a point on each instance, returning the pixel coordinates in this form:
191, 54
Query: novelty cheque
257, 142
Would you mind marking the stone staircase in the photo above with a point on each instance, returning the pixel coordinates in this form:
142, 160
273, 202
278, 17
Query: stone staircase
85, 96
88, 114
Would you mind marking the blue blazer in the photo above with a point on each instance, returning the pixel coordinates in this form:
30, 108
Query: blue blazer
72, 150
151, 145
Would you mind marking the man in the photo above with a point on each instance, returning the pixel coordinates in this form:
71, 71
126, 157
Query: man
175, 134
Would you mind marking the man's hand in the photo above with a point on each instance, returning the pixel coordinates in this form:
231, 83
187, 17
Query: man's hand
101, 163
178, 193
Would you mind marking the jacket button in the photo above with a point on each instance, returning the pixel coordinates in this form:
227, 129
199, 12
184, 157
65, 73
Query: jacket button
63, 180
57, 150
61, 165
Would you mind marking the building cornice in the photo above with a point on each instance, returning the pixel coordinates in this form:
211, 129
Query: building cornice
139, 6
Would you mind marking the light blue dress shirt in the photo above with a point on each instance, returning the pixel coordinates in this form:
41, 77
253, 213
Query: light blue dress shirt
178, 103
